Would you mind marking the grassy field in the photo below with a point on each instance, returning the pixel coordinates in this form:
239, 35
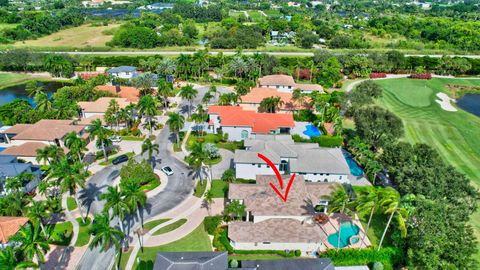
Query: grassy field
197, 240
7, 25
81, 36
454, 134
171, 227
257, 16
9, 79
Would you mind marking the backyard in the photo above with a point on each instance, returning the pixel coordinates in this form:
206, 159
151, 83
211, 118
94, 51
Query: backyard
453, 134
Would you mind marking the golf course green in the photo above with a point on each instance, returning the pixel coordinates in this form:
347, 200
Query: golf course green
456, 135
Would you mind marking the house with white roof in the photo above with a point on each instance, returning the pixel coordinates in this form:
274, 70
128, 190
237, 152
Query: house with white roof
286, 83
313, 163
123, 72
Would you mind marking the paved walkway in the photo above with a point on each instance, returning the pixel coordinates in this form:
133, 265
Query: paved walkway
224, 164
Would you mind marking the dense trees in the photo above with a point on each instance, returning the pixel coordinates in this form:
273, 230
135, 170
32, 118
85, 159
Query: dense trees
134, 37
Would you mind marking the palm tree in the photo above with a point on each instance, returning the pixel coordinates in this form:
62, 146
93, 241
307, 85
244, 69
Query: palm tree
43, 154
176, 122
106, 236
373, 167
69, 177
197, 158
32, 243
198, 119
32, 89
208, 199
149, 147
235, 208
9, 261
75, 144
369, 201
97, 131
114, 201
339, 202
189, 93
50, 153
43, 102
164, 90
270, 104
228, 176
184, 65
36, 213
133, 196
167, 67
391, 204
145, 83
111, 114
148, 106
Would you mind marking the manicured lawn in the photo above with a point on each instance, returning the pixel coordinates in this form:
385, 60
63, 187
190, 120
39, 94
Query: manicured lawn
9, 79
219, 189
80, 36
151, 224
62, 233
83, 235
71, 204
257, 16
105, 163
455, 135
151, 185
200, 188
213, 138
171, 227
197, 240
124, 259
132, 138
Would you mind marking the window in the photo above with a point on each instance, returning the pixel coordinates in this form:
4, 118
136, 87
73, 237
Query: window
266, 243
244, 134
127, 73
259, 166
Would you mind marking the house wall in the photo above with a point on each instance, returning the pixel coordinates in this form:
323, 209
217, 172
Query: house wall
235, 133
306, 248
321, 177
33, 160
251, 170
250, 106
89, 114
123, 75
281, 88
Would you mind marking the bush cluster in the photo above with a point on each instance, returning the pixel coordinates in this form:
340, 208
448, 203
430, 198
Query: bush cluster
421, 76
350, 256
323, 140
376, 75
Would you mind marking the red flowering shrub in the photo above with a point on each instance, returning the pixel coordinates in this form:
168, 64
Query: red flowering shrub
421, 76
376, 75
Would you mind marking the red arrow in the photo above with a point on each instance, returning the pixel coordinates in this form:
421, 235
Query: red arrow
279, 178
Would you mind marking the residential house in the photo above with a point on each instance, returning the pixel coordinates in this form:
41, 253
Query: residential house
252, 100
11, 167
241, 124
100, 106
26, 151
131, 94
9, 226
272, 224
286, 83
313, 163
123, 72
219, 261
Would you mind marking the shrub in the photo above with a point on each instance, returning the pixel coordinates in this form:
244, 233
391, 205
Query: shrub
329, 141
211, 223
140, 172
376, 75
304, 116
421, 76
377, 266
234, 263
298, 253
350, 256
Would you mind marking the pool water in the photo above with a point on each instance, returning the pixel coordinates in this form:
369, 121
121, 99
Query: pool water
348, 234
312, 131
2, 148
355, 170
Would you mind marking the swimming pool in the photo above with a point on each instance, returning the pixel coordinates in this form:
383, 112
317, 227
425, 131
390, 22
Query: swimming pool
348, 235
355, 170
2, 148
312, 131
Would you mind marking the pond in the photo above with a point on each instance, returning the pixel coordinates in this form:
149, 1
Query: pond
11, 93
470, 103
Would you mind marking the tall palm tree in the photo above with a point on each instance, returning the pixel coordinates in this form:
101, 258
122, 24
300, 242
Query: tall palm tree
97, 131
106, 236
36, 213
176, 122
134, 196
114, 201
32, 243
339, 202
197, 159
189, 93
148, 106
9, 260
368, 201
111, 114
373, 167
69, 177
32, 89
164, 90
391, 204
208, 199
145, 83
149, 147
50, 153
270, 104
43, 154
75, 144
43, 102
184, 65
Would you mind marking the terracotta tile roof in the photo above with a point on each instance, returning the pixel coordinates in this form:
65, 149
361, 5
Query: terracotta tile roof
87, 121
276, 230
100, 105
261, 200
47, 130
10, 226
259, 122
256, 95
278, 79
132, 94
28, 149
18, 128
88, 75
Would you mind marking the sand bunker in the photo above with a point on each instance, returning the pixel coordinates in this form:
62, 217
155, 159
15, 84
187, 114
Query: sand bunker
445, 102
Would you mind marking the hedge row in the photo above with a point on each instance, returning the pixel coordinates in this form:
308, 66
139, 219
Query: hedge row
323, 140
349, 256
421, 76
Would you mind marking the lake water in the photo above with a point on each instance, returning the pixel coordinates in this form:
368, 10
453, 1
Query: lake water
18, 91
470, 103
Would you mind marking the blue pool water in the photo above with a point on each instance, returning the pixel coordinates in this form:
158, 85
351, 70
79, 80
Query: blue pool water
312, 131
355, 170
2, 148
348, 234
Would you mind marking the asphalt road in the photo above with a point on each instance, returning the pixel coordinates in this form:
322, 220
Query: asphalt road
179, 186
233, 53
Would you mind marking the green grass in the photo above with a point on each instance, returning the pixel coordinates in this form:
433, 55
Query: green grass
171, 227
105, 163
7, 25
219, 189
455, 135
257, 16
132, 138
215, 139
83, 235
60, 230
151, 185
71, 204
200, 188
9, 79
152, 224
124, 259
197, 240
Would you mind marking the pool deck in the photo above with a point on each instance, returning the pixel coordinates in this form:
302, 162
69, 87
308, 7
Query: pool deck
332, 227
299, 128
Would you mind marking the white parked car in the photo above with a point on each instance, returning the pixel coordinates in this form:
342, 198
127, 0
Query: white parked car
167, 170
116, 139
